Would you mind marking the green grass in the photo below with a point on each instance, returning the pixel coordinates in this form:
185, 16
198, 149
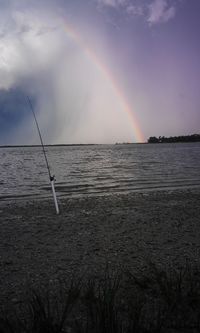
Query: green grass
119, 302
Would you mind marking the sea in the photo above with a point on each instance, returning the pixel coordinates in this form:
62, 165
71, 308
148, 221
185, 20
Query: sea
95, 170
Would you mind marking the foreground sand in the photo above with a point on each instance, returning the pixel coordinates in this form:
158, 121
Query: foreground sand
119, 230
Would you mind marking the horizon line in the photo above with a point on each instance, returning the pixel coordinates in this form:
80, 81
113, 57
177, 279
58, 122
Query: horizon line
71, 144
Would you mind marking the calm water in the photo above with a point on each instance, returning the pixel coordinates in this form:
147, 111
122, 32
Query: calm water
98, 170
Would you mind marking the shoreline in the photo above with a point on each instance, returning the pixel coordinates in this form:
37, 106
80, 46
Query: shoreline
124, 230
24, 198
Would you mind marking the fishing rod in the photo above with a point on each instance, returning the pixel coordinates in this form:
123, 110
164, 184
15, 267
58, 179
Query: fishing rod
51, 178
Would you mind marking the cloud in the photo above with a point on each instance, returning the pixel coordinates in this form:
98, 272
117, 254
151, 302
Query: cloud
21, 47
112, 3
135, 10
160, 12
74, 99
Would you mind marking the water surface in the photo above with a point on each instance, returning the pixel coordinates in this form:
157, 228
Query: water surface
98, 169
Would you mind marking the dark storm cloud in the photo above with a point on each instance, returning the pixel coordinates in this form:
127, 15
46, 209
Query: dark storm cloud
13, 109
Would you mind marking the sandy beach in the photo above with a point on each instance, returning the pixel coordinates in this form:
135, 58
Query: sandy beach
119, 230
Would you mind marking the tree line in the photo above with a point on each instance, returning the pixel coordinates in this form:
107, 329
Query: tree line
182, 138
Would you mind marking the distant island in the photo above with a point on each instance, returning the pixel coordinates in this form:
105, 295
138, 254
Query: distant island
173, 139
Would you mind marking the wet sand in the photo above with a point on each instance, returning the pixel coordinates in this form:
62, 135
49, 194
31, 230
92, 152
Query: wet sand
125, 230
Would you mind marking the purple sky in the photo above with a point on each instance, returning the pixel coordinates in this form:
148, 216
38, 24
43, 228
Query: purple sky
150, 48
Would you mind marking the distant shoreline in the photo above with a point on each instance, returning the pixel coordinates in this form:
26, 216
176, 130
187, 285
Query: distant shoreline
48, 145
70, 144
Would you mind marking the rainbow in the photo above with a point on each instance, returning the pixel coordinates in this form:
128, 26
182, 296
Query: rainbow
92, 56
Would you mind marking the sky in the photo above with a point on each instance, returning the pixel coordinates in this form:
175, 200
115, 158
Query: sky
99, 71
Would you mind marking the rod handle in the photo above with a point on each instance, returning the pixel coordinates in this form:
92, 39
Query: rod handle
54, 197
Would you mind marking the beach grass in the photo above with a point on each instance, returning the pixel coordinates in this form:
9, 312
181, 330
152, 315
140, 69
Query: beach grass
158, 300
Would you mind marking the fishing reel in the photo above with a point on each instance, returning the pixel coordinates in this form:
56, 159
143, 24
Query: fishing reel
53, 178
